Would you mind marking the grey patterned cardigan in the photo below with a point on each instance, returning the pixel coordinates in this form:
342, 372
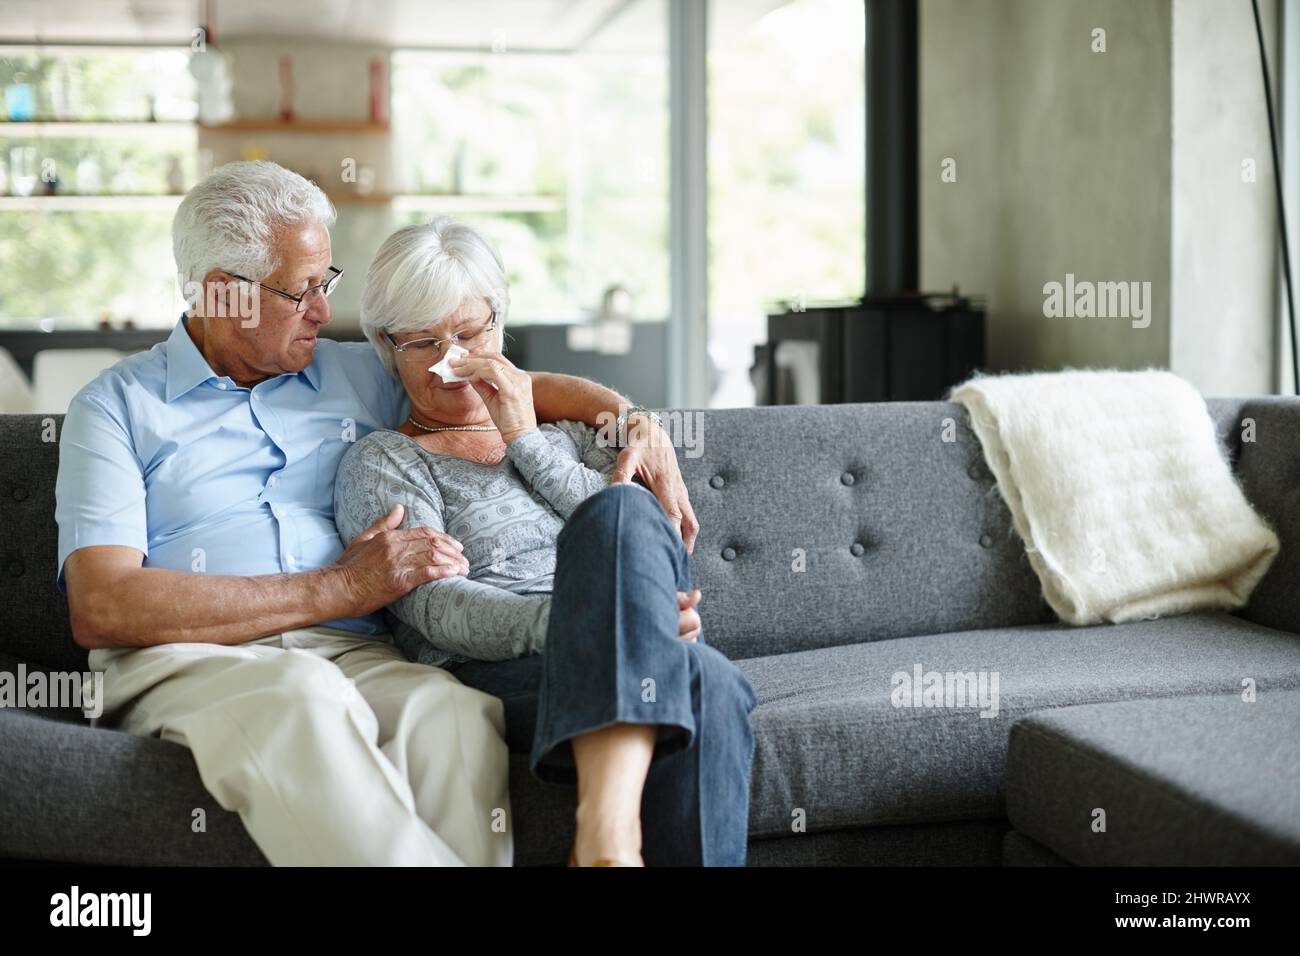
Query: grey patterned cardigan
506, 515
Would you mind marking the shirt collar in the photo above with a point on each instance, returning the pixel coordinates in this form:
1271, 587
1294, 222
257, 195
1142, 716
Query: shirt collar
312, 373
187, 368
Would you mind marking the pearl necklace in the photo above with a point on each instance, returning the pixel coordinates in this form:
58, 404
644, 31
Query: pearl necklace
463, 428
451, 428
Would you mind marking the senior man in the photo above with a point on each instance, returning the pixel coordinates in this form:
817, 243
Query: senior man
204, 572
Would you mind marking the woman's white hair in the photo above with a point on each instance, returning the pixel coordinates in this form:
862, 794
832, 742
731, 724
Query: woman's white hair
424, 273
228, 222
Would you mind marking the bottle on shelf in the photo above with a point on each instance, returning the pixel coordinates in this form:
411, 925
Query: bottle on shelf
20, 100
89, 181
378, 97
287, 89
22, 170
175, 176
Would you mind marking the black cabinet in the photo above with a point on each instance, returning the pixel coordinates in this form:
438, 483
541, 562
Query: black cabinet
895, 348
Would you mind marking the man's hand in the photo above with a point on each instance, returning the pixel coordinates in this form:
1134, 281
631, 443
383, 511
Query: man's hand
557, 397
649, 455
385, 561
688, 621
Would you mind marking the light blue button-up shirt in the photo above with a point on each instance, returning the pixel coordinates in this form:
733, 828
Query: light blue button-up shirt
161, 454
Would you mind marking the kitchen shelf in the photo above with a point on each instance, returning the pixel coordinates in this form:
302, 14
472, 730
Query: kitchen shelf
70, 202
297, 126
457, 202
77, 129
357, 199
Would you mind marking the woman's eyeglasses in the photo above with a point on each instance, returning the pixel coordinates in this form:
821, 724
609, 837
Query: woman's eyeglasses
469, 340
299, 301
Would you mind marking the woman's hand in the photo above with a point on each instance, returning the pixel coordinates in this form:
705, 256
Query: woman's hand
688, 621
510, 403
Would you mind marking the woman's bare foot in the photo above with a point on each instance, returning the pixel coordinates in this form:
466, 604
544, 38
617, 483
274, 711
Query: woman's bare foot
602, 841
612, 764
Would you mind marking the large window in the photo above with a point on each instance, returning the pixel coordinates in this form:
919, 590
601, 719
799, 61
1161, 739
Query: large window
552, 135
97, 147
786, 170
559, 157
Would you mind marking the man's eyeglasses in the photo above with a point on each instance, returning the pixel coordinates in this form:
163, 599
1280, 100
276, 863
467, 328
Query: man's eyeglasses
428, 348
325, 288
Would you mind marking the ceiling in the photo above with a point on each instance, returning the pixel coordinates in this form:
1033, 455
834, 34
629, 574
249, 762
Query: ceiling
560, 25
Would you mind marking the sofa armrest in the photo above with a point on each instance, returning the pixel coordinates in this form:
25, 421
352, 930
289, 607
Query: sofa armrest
1268, 466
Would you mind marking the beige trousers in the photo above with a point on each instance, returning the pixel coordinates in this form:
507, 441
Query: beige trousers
332, 747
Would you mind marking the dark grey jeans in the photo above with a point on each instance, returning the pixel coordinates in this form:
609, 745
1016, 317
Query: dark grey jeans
612, 655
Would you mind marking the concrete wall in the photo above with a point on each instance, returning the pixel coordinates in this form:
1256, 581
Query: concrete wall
1224, 241
1121, 165
1062, 160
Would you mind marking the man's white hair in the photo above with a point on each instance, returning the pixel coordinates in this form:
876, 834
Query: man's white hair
228, 222
424, 273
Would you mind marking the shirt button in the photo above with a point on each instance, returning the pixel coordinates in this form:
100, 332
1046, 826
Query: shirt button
976, 472
986, 541
728, 554
847, 478
857, 549
717, 481
275, 438
272, 482
221, 385
291, 559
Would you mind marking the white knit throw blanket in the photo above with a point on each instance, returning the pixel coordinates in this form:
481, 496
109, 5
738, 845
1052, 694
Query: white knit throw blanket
1117, 484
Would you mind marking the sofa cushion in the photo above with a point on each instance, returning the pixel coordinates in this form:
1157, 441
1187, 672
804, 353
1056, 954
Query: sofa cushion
831, 743
72, 792
1193, 781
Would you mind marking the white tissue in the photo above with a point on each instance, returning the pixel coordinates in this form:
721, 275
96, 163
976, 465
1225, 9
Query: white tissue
443, 369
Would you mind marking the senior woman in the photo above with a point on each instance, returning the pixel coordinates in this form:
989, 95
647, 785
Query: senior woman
575, 605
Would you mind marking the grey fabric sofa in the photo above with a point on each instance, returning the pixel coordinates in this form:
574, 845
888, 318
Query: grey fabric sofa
840, 545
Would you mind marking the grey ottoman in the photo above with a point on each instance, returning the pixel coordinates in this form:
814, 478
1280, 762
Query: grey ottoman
1182, 781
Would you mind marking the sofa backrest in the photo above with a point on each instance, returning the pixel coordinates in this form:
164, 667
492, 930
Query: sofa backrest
33, 613
824, 525
907, 483
820, 526
1264, 436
